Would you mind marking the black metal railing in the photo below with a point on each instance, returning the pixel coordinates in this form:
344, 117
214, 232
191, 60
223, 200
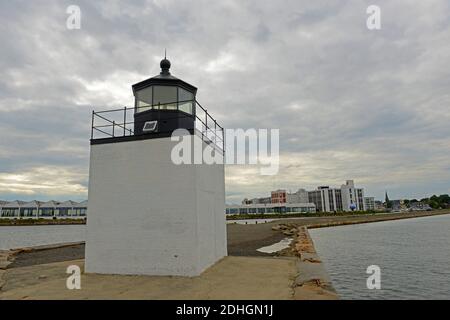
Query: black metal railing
120, 122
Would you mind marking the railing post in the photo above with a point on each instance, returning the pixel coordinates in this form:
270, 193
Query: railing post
92, 124
215, 132
124, 120
206, 123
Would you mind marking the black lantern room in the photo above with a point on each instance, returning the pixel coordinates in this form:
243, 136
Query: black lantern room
163, 103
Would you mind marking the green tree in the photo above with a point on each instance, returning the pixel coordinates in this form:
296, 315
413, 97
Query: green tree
434, 204
444, 199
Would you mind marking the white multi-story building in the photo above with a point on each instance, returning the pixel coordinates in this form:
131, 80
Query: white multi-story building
345, 198
352, 198
326, 199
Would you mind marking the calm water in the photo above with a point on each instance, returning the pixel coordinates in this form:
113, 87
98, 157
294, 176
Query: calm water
413, 254
26, 236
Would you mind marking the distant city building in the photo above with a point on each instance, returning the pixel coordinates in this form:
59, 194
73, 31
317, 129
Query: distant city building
257, 201
37, 209
326, 199
345, 198
379, 206
265, 200
419, 206
369, 203
352, 198
301, 196
272, 208
278, 196
396, 205
11, 209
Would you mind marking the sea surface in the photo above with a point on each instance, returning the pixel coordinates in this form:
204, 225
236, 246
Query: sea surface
12, 237
413, 256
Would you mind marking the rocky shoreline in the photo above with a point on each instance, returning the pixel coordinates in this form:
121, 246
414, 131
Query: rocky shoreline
312, 275
6, 258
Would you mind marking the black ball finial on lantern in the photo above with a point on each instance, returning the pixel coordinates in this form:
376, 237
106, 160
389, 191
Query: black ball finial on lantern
165, 65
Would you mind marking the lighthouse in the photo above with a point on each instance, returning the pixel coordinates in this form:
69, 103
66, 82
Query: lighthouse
148, 215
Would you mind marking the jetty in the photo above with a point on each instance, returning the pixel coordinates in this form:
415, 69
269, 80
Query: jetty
296, 272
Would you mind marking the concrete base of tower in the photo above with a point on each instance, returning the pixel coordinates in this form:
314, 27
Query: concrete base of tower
149, 216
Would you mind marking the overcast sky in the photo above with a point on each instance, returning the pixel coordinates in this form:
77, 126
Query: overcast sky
350, 103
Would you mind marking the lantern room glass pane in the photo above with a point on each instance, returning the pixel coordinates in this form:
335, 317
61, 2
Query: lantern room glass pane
144, 99
186, 100
165, 97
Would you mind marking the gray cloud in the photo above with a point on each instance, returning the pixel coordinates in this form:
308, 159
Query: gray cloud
349, 102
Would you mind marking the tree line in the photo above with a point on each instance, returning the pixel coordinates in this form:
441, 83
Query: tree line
435, 202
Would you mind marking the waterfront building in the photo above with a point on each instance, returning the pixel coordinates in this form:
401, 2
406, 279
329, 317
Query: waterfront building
48, 209
265, 200
37, 209
30, 209
80, 209
278, 196
147, 214
325, 199
272, 208
301, 196
369, 203
11, 209
379, 206
64, 209
256, 201
352, 198
398, 205
419, 206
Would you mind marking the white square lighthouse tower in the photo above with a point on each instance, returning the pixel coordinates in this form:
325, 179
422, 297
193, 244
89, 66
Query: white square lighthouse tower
148, 215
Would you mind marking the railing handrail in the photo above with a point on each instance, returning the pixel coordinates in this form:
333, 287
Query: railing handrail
153, 105
113, 122
211, 132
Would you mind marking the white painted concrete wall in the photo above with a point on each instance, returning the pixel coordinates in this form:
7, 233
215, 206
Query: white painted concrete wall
149, 216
